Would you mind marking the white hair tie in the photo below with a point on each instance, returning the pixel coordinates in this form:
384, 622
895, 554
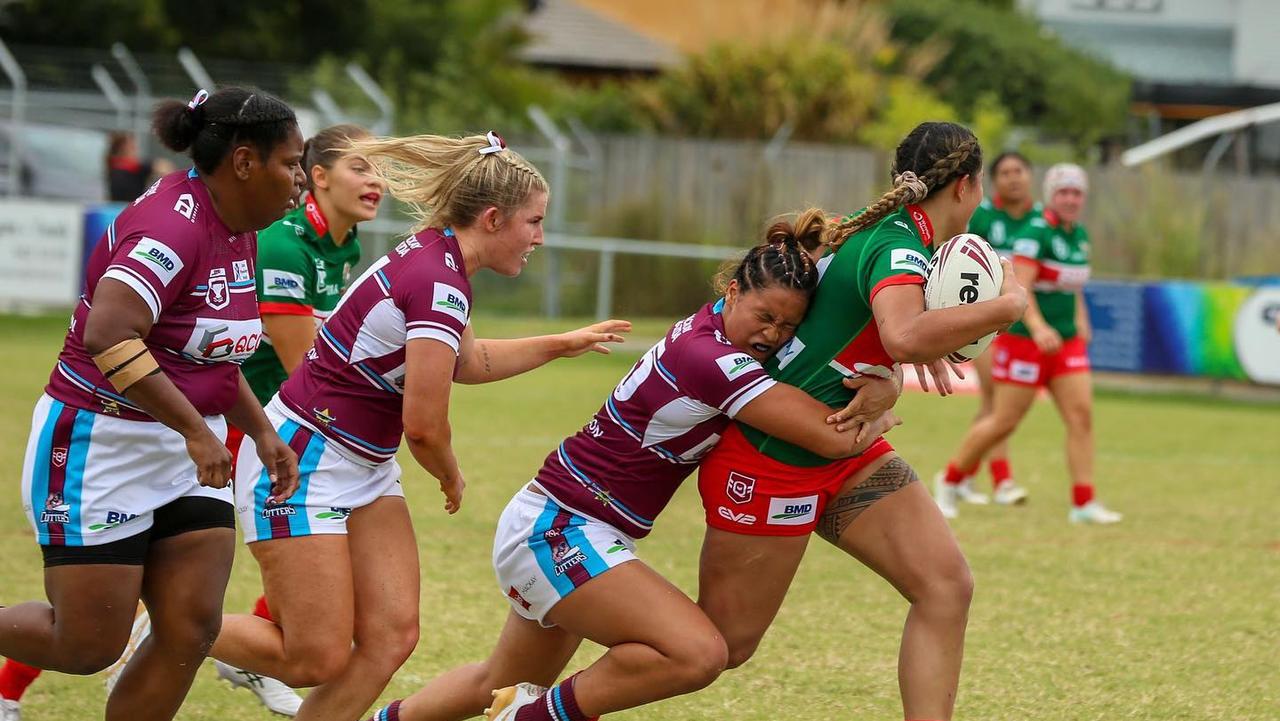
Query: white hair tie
496, 143
200, 96
918, 188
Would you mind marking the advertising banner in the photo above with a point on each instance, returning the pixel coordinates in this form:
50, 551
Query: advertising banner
40, 245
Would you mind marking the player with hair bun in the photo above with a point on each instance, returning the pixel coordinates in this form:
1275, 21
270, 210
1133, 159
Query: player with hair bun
1049, 348
867, 315
126, 472
565, 546
339, 560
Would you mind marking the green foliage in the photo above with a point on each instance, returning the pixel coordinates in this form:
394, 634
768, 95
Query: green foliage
1040, 81
907, 104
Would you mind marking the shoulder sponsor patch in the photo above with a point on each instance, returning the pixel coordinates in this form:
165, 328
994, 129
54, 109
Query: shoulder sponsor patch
789, 352
283, 284
734, 365
792, 511
159, 258
909, 260
450, 301
1027, 247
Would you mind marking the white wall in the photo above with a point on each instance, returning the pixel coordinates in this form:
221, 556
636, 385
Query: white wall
1256, 56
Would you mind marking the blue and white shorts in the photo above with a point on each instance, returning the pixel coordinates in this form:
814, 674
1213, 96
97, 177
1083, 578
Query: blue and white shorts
542, 552
90, 479
331, 484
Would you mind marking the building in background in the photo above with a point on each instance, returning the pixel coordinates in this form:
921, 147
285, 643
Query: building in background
1190, 59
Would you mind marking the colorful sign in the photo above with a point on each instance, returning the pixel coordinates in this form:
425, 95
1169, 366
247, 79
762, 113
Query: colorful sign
1218, 330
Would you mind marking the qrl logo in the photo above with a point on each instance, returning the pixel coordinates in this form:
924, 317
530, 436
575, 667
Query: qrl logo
740, 488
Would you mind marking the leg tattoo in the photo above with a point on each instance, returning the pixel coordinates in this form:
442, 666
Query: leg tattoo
851, 502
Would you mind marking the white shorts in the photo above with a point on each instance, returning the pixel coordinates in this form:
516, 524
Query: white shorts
90, 478
330, 484
542, 552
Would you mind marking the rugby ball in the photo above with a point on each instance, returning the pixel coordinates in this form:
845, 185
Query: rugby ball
964, 270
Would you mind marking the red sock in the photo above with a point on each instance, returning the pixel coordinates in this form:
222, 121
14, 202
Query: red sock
15, 678
1081, 493
955, 475
558, 704
1000, 471
261, 610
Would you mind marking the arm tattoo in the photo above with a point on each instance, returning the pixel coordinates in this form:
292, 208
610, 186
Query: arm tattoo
851, 502
484, 350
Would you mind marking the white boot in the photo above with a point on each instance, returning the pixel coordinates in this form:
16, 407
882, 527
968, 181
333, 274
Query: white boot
944, 494
275, 695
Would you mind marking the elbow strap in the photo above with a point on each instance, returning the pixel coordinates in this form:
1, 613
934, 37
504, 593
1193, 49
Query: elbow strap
126, 363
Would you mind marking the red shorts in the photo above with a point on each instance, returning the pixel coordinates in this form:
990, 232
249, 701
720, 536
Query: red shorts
1017, 359
744, 491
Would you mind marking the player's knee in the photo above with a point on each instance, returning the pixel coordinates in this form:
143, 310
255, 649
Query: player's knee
1079, 420
741, 651
392, 643
699, 661
949, 590
90, 659
317, 665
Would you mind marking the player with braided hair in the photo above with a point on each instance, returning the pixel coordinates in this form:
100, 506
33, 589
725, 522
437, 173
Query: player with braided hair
763, 495
339, 560
565, 546
126, 475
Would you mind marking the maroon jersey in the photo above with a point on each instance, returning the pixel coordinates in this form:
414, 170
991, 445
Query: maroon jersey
623, 467
195, 275
350, 387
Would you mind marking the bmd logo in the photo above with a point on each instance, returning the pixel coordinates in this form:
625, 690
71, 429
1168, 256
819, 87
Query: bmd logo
155, 255
792, 511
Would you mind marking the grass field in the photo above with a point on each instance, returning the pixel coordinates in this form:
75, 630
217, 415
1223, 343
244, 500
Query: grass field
1172, 615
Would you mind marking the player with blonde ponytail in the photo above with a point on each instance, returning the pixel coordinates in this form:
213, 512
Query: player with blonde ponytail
764, 496
339, 560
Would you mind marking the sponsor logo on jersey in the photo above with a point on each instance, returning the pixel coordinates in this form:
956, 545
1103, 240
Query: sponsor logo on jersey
218, 295
744, 518
792, 511
789, 352
324, 417
278, 510
110, 408
684, 326
159, 258
593, 429
217, 339
284, 284
59, 457
449, 261
450, 301
734, 364
739, 488
241, 270
56, 510
113, 519
514, 595
186, 207
334, 513
908, 260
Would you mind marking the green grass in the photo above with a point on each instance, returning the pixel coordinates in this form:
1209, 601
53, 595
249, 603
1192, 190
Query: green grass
1174, 614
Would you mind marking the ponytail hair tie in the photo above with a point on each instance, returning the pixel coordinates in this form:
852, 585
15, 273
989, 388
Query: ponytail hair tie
496, 143
198, 100
917, 189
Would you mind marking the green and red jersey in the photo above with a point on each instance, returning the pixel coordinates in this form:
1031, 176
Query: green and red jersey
1061, 255
994, 224
301, 271
839, 338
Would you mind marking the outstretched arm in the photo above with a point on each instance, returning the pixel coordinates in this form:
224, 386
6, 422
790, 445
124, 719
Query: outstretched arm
790, 414
484, 360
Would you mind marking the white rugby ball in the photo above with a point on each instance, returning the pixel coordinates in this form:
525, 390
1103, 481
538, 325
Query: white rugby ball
964, 270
